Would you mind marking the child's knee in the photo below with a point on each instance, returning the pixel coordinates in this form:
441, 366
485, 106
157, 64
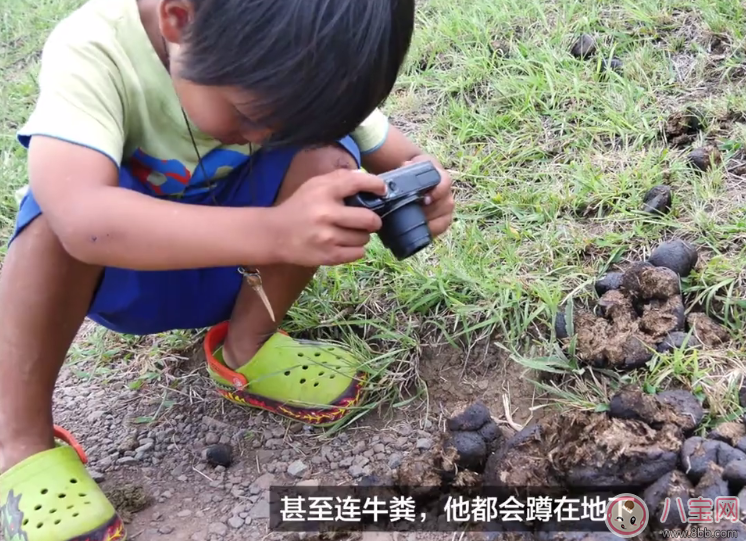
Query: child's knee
311, 163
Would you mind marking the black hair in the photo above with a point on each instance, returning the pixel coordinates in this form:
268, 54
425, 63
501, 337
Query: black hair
317, 68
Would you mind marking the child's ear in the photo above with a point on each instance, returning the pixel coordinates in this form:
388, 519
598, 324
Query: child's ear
174, 16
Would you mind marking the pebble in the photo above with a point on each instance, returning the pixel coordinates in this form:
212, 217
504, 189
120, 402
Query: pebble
424, 443
165, 530
379, 448
96, 476
218, 528
260, 509
356, 471
211, 438
235, 522
145, 448
395, 460
126, 460
297, 468
263, 483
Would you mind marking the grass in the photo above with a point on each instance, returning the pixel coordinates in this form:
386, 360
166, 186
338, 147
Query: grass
550, 157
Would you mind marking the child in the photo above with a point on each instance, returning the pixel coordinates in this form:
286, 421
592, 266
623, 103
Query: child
175, 142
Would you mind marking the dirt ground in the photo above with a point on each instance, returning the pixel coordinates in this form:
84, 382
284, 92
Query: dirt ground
146, 445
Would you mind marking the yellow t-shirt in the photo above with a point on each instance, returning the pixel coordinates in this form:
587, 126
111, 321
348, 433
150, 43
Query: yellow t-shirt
103, 86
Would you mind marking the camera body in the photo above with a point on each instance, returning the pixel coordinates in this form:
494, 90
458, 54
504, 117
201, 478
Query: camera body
404, 231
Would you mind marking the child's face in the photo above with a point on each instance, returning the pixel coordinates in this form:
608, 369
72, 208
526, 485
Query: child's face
219, 112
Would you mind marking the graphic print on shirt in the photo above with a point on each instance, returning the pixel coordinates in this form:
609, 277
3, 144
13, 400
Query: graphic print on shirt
171, 177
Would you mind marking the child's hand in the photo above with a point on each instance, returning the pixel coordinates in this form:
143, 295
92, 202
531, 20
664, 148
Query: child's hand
316, 228
439, 204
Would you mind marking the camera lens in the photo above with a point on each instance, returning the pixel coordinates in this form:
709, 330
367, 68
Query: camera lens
405, 231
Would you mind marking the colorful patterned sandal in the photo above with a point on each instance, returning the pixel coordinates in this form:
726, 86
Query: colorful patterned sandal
312, 382
51, 497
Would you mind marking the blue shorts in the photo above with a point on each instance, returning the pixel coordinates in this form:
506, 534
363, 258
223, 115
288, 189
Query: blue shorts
150, 302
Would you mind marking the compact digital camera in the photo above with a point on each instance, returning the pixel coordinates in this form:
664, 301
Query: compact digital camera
405, 231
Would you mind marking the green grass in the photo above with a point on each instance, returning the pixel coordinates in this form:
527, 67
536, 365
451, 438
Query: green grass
550, 160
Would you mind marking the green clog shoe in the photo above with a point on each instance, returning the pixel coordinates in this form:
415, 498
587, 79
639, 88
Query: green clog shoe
315, 383
51, 497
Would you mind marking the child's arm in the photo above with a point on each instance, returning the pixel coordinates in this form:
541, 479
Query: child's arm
101, 224
397, 151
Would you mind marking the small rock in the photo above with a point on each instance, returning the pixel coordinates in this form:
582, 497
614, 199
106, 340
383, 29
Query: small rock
218, 528
706, 157
395, 460
678, 340
126, 460
219, 455
95, 416
356, 471
379, 448
584, 48
707, 331
235, 522
165, 530
658, 200
424, 443
611, 282
297, 468
211, 438
264, 482
97, 476
145, 448
260, 509
677, 255
183, 514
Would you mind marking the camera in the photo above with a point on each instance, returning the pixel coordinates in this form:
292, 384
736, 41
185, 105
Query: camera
404, 231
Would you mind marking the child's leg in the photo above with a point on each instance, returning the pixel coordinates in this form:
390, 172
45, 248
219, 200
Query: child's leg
250, 323
44, 296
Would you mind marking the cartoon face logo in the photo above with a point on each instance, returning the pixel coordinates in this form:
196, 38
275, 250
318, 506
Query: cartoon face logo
627, 515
